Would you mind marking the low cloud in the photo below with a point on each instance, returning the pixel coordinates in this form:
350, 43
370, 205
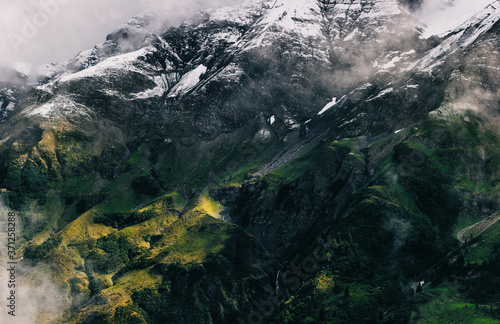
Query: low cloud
442, 15
37, 296
43, 31
28, 293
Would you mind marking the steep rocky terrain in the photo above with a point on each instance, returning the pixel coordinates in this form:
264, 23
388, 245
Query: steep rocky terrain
277, 161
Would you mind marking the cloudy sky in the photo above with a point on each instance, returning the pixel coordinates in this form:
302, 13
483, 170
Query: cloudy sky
442, 15
41, 31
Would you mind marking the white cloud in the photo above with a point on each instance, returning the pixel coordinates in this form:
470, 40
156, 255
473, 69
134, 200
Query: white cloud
27, 291
42, 31
441, 16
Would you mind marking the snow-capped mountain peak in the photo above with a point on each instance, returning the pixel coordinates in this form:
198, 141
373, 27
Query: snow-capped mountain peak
442, 17
460, 36
361, 38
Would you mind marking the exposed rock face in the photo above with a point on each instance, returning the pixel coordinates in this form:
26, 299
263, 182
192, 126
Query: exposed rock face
184, 174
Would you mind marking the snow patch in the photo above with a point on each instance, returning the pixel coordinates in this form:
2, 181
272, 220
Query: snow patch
364, 86
272, 120
124, 62
158, 91
263, 135
297, 18
391, 64
57, 107
440, 17
462, 37
352, 35
382, 93
328, 106
9, 93
399, 130
291, 124
188, 82
10, 106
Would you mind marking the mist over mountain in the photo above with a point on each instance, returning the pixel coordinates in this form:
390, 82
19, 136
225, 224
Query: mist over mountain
40, 32
273, 161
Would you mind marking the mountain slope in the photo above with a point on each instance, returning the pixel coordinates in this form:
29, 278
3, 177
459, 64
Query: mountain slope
277, 161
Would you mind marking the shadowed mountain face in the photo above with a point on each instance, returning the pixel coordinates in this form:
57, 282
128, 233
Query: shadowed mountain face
273, 162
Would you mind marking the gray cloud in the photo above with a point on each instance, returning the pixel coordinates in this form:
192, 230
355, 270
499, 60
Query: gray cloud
34, 292
42, 31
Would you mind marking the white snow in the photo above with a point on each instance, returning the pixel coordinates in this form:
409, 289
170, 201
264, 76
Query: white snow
229, 37
299, 17
328, 106
263, 134
113, 93
412, 86
382, 93
442, 16
464, 35
291, 123
301, 23
241, 13
10, 106
486, 19
272, 119
23, 68
57, 107
459, 24
158, 91
392, 63
399, 131
9, 92
352, 35
445, 48
364, 86
188, 82
50, 70
124, 62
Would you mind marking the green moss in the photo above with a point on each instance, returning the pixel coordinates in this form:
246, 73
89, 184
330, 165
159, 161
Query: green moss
444, 305
190, 290
122, 220
53, 208
131, 314
111, 254
77, 185
171, 200
485, 247
289, 172
205, 238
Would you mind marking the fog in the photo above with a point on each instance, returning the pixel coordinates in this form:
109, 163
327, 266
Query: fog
43, 31
442, 15
29, 293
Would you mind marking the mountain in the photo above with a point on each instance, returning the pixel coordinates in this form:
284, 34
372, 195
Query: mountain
277, 161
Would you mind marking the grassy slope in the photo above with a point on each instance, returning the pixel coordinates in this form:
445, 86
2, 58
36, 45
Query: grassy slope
403, 222
106, 236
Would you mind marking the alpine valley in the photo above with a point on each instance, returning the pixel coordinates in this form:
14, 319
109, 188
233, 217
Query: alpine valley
277, 161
